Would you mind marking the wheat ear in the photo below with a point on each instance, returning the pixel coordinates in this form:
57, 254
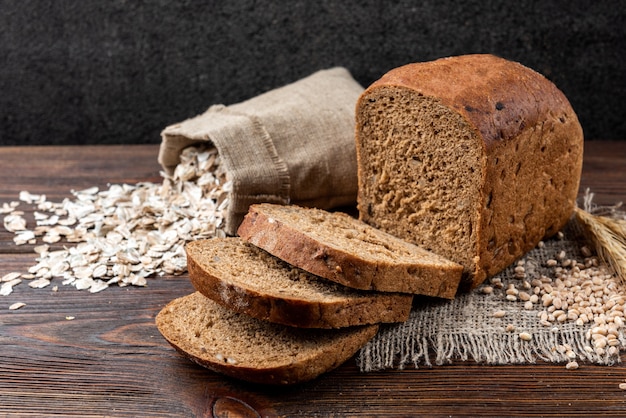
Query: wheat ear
608, 236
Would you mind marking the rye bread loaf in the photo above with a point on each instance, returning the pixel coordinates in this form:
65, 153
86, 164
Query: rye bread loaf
240, 346
246, 279
345, 250
475, 158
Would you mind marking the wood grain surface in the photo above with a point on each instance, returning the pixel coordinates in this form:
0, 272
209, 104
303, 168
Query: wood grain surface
110, 360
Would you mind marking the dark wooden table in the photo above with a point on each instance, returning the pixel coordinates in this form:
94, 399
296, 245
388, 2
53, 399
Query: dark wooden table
111, 360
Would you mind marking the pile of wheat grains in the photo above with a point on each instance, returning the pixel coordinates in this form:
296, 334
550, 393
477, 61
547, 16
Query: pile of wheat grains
583, 292
123, 235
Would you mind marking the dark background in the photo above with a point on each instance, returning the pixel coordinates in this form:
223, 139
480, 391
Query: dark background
119, 71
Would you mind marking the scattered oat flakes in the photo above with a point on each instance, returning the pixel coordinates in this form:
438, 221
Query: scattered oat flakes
39, 283
17, 305
14, 223
30, 198
98, 286
24, 237
7, 287
127, 233
10, 276
8, 207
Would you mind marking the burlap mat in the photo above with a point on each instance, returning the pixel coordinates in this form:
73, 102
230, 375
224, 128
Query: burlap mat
465, 329
293, 144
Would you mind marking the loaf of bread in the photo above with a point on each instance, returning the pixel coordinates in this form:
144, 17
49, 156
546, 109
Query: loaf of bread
248, 280
475, 158
240, 346
345, 250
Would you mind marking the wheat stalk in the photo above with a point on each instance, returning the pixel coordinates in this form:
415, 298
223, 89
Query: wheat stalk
608, 236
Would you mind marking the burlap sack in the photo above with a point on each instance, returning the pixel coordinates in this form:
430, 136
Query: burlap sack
294, 144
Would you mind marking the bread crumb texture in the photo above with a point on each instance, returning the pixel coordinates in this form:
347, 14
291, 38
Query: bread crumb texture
343, 249
247, 279
243, 264
249, 349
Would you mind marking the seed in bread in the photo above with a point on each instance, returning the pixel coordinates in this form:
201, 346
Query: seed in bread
244, 278
345, 250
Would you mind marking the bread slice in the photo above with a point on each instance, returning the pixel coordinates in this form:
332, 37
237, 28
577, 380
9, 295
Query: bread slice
240, 346
345, 250
246, 279
474, 157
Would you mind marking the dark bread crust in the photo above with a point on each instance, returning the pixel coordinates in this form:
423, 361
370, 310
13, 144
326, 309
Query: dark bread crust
340, 265
322, 350
532, 148
498, 96
350, 308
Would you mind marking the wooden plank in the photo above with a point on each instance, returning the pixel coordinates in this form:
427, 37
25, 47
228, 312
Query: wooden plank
604, 171
56, 171
110, 360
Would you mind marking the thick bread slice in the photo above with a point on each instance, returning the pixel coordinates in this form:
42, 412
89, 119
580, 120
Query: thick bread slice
246, 279
345, 250
240, 346
474, 157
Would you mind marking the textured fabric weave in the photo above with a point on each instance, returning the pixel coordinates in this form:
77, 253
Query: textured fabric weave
294, 144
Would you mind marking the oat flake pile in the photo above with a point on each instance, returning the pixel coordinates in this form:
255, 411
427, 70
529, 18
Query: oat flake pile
125, 234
